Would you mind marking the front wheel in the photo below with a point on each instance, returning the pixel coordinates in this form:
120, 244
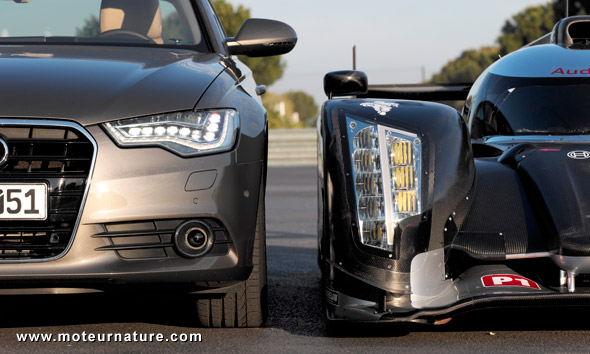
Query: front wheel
249, 306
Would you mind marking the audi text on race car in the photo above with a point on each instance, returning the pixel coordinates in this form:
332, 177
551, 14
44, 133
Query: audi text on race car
425, 213
133, 152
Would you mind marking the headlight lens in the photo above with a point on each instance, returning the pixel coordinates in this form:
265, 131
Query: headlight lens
186, 133
386, 170
404, 152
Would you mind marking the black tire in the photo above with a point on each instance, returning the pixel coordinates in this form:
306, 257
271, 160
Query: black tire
249, 306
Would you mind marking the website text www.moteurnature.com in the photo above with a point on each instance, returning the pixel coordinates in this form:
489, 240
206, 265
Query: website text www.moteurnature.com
131, 337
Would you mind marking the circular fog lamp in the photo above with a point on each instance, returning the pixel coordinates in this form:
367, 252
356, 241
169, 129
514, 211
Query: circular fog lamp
193, 239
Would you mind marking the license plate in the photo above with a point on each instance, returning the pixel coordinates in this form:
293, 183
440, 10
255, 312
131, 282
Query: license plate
23, 201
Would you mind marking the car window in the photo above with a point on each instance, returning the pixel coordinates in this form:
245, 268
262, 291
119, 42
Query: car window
544, 109
531, 106
148, 22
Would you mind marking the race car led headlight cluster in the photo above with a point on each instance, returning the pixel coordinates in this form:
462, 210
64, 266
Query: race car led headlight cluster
369, 188
386, 171
405, 181
186, 133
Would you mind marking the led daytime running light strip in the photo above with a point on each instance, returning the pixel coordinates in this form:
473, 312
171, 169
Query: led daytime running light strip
186, 133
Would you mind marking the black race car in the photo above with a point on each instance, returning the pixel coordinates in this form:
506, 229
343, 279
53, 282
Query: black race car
425, 213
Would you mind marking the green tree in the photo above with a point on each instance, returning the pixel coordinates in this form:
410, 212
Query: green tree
305, 106
279, 111
90, 29
231, 17
519, 30
468, 66
266, 70
293, 109
526, 26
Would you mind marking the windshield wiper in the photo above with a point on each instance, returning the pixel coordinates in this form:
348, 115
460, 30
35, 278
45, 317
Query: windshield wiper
39, 39
63, 39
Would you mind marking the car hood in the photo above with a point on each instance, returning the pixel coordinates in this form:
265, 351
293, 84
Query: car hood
90, 84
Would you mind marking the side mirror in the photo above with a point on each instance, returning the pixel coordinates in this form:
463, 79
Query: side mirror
345, 83
262, 38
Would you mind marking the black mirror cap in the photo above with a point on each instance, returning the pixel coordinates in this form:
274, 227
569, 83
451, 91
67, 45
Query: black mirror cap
262, 38
345, 83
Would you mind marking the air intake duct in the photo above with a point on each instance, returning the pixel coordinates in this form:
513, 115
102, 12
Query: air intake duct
572, 31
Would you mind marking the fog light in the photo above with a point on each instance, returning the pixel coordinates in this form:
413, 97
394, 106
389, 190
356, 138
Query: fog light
193, 239
197, 238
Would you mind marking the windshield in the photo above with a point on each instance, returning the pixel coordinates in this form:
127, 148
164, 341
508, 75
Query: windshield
138, 22
555, 110
538, 106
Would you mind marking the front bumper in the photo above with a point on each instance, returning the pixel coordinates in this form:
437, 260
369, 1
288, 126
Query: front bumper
356, 310
433, 298
151, 189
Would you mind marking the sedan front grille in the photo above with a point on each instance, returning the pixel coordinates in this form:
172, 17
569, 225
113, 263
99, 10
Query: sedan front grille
57, 154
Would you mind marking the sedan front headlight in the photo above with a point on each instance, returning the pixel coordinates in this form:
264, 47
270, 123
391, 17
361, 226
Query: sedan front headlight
386, 165
185, 133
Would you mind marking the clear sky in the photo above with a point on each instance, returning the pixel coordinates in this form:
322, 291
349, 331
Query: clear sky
394, 38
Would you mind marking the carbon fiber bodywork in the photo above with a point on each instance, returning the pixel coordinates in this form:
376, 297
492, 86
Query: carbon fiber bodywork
504, 193
338, 210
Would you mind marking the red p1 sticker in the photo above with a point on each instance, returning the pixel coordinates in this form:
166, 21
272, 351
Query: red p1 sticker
508, 280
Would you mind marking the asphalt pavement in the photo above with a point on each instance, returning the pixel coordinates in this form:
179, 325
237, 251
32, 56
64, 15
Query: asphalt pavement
295, 322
